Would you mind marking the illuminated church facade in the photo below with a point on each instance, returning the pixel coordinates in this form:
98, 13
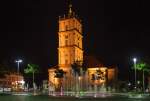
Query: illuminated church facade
70, 51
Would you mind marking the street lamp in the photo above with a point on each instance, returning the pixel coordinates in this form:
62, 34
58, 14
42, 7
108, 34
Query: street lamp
134, 60
18, 61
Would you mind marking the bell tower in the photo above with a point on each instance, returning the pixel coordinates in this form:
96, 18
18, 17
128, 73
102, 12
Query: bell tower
70, 36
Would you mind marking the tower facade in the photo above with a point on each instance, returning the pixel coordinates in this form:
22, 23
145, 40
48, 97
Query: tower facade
70, 48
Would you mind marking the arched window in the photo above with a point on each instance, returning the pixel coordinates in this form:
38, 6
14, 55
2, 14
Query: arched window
66, 37
66, 40
66, 58
67, 28
66, 61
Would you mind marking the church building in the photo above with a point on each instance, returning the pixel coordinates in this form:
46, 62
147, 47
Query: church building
69, 74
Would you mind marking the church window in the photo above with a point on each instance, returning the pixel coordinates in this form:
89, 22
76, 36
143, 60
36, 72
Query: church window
66, 37
67, 27
66, 42
66, 55
66, 61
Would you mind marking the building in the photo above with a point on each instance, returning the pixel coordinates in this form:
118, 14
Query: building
13, 81
70, 50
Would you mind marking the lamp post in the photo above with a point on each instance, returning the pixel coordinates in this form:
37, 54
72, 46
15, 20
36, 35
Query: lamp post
18, 62
134, 60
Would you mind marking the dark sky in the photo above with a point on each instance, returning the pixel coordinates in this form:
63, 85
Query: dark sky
114, 31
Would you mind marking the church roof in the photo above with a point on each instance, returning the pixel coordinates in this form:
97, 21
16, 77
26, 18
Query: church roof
54, 67
91, 62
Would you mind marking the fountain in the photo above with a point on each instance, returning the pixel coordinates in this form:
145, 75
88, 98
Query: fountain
95, 90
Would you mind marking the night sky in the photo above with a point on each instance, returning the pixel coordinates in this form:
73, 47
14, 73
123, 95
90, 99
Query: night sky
115, 31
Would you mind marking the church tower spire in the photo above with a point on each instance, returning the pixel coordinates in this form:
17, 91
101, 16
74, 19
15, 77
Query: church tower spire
70, 12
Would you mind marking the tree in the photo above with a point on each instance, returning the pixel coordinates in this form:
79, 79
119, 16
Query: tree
142, 66
84, 68
32, 68
59, 73
76, 69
